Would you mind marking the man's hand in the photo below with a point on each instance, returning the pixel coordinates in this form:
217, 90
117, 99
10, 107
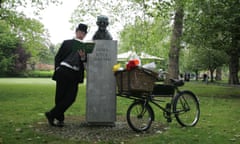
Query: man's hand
82, 54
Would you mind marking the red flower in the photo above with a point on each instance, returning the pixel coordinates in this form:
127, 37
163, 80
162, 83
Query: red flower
132, 64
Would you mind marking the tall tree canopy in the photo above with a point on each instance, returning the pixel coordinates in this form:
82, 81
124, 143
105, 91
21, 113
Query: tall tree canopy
215, 24
23, 36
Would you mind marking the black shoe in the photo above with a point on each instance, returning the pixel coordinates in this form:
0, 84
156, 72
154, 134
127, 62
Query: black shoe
60, 124
50, 119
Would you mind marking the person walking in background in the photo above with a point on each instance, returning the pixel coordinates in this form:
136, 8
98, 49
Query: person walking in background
69, 72
181, 77
205, 78
187, 76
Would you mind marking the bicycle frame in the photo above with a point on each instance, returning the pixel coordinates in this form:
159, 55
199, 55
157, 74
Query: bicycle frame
147, 98
156, 102
174, 98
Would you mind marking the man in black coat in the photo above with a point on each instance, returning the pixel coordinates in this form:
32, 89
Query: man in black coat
69, 72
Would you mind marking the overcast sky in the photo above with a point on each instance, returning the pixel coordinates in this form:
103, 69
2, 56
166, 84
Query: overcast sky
55, 19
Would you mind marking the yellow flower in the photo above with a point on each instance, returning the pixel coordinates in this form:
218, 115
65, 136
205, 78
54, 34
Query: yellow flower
116, 67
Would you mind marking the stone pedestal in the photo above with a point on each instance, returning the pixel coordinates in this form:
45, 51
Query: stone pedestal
101, 84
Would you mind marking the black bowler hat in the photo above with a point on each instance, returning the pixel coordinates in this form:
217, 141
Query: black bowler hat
82, 27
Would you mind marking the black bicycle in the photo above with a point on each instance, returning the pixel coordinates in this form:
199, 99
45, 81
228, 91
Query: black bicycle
183, 104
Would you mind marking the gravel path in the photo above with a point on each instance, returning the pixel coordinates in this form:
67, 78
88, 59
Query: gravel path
76, 129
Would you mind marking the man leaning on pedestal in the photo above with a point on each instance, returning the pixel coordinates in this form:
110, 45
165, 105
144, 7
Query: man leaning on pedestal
69, 72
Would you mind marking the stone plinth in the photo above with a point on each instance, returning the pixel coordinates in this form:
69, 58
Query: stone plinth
101, 84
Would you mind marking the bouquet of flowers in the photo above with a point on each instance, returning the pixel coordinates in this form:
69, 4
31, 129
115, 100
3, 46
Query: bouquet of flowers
132, 64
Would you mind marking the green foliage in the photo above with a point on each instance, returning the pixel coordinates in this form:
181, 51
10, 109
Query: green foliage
146, 36
8, 43
16, 54
215, 25
22, 37
208, 24
197, 59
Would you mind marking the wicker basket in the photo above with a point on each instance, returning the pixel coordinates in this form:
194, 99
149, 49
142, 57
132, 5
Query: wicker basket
136, 80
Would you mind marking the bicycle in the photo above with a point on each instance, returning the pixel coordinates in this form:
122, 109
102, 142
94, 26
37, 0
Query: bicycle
184, 105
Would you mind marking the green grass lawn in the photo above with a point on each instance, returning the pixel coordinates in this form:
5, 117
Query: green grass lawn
23, 102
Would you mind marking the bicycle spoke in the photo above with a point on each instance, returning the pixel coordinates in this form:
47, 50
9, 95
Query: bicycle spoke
139, 117
187, 109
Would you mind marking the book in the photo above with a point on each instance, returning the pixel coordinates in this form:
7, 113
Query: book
86, 46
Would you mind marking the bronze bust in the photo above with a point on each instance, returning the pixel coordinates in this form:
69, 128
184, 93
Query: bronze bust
102, 32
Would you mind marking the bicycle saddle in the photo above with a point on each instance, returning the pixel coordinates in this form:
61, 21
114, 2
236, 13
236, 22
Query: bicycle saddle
177, 82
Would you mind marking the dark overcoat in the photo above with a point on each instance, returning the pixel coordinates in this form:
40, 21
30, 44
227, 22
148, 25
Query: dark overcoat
64, 51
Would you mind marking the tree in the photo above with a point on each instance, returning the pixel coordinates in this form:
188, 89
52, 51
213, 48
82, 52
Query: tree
146, 36
29, 35
20, 61
201, 59
164, 8
175, 46
190, 61
215, 24
8, 43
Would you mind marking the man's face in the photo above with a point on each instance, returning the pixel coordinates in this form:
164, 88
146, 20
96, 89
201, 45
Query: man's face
102, 25
80, 34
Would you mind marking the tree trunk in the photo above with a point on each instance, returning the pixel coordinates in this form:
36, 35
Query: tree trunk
173, 67
196, 74
234, 55
233, 68
211, 75
218, 74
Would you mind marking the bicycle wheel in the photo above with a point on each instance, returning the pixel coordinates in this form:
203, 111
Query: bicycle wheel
139, 116
186, 108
